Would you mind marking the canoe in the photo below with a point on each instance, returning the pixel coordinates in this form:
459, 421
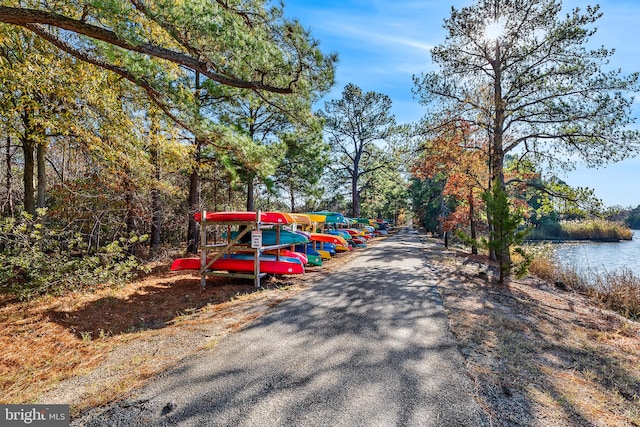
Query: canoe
244, 263
265, 217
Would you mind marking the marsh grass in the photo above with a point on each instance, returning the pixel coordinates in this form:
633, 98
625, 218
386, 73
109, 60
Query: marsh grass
593, 229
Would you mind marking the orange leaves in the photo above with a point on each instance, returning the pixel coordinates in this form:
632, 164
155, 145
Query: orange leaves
457, 153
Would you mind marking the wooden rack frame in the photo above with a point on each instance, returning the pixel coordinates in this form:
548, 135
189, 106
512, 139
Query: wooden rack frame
232, 245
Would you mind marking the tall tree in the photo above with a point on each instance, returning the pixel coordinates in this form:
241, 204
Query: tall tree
354, 125
524, 73
258, 120
158, 44
302, 167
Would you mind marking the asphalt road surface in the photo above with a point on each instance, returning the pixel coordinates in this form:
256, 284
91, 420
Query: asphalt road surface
368, 345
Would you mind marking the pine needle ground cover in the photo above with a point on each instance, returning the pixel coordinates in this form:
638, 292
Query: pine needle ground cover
127, 334
539, 355
89, 348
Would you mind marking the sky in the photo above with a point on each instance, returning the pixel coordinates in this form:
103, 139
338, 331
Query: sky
382, 44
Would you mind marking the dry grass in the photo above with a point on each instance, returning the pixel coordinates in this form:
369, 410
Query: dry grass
539, 355
614, 290
596, 229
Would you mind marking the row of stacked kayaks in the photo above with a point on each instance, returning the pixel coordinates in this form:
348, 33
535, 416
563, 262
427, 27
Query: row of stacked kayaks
288, 241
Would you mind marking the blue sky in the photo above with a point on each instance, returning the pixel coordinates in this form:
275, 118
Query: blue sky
382, 44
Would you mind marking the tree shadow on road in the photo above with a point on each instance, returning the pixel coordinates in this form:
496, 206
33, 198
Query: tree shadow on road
367, 345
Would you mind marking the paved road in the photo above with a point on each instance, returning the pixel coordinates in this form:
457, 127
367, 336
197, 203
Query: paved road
369, 345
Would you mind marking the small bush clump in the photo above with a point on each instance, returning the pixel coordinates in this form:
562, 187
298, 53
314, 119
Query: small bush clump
38, 259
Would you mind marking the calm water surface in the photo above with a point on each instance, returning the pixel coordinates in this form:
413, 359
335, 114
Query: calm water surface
601, 257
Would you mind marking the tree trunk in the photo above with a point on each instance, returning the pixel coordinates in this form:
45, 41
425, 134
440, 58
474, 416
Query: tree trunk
292, 197
41, 150
27, 175
472, 224
193, 199
502, 246
355, 197
129, 220
156, 205
193, 232
250, 194
8, 204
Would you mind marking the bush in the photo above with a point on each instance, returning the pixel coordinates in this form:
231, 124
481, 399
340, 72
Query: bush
38, 259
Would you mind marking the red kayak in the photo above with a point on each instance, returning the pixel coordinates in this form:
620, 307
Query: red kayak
244, 263
265, 217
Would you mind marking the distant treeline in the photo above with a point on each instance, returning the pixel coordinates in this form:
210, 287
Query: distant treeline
632, 217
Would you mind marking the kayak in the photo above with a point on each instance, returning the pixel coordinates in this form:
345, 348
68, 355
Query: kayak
244, 263
301, 219
265, 217
269, 237
329, 238
332, 217
344, 233
310, 250
287, 253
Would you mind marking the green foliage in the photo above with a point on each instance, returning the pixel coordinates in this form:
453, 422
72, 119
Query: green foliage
300, 172
506, 231
158, 45
38, 259
535, 88
357, 126
386, 196
548, 89
633, 220
427, 201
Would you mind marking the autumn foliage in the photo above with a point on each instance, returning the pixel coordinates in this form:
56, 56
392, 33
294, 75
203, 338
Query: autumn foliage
457, 153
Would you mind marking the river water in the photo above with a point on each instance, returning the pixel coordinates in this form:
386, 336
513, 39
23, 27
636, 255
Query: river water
601, 257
